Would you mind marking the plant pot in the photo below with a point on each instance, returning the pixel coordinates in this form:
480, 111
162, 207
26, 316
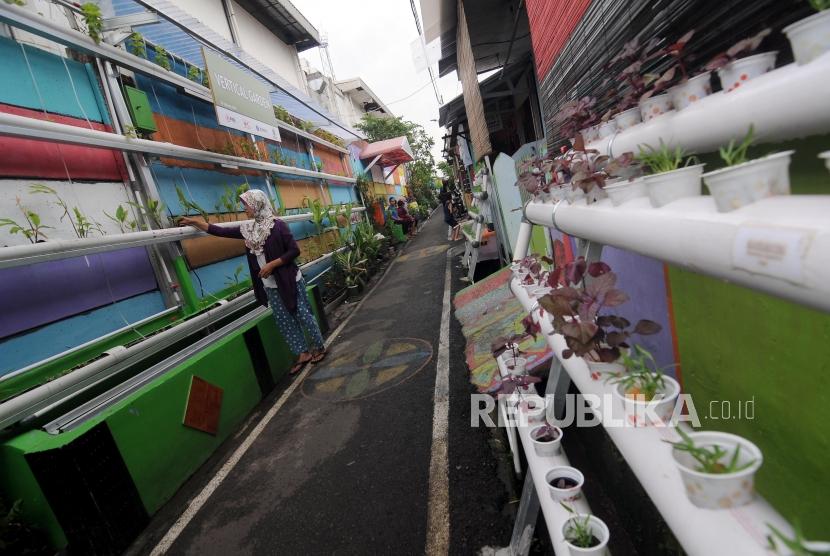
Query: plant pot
691, 91
655, 106
729, 490
628, 118
733, 74
607, 129
598, 528
666, 187
568, 494
809, 37
546, 449
534, 410
625, 190
598, 368
826, 156
642, 413
737, 186
353, 292
515, 365
574, 195
589, 134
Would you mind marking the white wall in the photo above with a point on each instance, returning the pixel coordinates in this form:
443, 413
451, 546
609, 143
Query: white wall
263, 45
209, 12
254, 37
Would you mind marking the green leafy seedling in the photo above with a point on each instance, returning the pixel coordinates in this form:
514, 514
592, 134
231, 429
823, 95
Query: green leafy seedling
735, 154
710, 458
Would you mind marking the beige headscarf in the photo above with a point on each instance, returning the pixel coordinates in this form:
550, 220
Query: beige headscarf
257, 231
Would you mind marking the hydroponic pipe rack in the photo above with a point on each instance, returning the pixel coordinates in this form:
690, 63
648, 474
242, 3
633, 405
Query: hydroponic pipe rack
742, 530
785, 103
19, 255
29, 21
779, 245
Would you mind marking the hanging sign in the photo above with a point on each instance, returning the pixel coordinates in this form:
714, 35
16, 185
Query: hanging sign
241, 101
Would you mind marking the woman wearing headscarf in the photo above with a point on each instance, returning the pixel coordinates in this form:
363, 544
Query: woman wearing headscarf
277, 280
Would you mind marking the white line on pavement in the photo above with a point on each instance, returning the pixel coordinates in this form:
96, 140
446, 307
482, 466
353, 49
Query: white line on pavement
438, 512
196, 504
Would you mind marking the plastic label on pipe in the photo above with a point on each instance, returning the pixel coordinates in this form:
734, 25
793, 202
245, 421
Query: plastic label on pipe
775, 252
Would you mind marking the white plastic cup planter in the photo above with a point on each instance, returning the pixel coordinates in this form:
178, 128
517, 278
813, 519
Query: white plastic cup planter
736, 73
624, 190
598, 529
628, 118
607, 129
546, 449
737, 186
534, 410
565, 494
515, 365
809, 37
657, 412
691, 91
826, 156
719, 491
655, 106
666, 187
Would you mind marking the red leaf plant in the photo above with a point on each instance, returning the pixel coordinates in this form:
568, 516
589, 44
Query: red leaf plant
579, 307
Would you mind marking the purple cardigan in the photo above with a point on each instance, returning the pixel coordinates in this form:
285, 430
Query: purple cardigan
280, 244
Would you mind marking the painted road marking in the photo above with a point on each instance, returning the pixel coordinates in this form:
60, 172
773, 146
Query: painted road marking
438, 512
196, 504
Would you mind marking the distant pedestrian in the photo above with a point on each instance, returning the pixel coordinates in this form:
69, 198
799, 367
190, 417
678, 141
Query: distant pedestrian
446, 202
277, 280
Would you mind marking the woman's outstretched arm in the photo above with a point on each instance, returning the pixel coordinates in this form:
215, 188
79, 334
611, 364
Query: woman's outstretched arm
212, 229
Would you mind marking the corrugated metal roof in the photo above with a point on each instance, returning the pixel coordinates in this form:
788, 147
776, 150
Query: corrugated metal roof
170, 33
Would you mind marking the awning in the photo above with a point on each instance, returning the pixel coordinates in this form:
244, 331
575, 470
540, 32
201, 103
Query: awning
390, 152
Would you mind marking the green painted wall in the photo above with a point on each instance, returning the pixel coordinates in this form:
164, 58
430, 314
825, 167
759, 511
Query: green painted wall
736, 344
159, 452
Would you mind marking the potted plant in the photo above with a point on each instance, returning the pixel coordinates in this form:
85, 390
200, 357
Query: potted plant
585, 534
644, 389
688, 89
810, 37
671, 174
547, 440
626, 182
743, 182
735, 66
565, 483
718, 469
584, 291
352, 268
574, 116
510, 356
633, 85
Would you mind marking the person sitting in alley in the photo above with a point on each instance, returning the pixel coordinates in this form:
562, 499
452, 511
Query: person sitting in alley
277, 280
406, 219
392, 211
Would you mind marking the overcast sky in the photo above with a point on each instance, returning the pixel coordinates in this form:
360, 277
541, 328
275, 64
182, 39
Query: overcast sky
371, 39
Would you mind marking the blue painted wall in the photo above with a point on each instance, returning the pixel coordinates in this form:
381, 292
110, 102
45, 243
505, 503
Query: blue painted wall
61, 89
29, 347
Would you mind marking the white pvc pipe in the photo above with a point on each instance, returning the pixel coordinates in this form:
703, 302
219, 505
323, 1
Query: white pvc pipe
27, 403
700, 531
19, 255
786, 103
537, 467
523, 240
692, 234
30, 128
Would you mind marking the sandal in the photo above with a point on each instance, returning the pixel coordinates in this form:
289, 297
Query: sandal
317, 357
297, 367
